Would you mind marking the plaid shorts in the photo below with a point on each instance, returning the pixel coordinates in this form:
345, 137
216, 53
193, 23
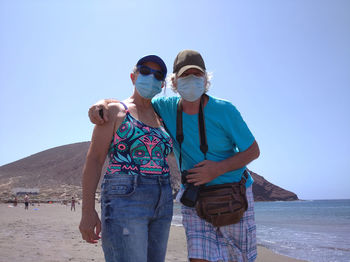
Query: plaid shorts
236, 242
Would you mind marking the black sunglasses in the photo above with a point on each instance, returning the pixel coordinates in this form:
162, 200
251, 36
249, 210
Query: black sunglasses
145, 70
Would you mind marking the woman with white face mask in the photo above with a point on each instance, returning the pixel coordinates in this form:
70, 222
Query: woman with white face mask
136, 196
231, 146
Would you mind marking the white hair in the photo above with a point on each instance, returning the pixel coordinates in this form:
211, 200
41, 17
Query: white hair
171, 79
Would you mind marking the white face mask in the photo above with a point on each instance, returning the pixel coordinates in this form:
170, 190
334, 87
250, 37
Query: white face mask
190, 87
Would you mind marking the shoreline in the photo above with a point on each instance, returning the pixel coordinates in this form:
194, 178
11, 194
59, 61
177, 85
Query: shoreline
177, 243
49, 233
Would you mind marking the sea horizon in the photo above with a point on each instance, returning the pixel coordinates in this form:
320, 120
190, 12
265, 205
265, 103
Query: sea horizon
313, 230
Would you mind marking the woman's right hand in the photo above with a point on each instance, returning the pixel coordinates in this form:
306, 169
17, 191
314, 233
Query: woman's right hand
90, 227
94, 111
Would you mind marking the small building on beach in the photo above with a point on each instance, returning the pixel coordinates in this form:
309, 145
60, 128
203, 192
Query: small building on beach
23, 191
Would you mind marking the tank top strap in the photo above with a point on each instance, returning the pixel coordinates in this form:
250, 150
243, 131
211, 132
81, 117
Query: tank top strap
126, 108
160, 119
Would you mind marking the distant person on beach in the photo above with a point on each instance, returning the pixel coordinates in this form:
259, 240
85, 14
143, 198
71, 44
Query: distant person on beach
15, 201
231, 147
136, 195
72, 204
26, 202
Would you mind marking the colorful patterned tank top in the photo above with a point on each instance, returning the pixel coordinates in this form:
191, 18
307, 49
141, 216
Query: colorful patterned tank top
137, 148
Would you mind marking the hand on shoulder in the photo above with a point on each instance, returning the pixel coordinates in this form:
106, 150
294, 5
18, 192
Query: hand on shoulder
98, 113
115, 111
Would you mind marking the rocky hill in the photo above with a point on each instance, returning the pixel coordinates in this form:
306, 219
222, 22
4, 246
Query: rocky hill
265, 191
57, 174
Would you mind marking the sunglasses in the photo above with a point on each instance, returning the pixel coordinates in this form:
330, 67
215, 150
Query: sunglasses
145, 70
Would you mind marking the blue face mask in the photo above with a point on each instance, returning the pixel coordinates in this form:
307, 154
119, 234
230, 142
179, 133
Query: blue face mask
190, 87
147, 86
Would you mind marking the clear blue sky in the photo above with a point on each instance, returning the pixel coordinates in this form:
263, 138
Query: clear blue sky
284, 64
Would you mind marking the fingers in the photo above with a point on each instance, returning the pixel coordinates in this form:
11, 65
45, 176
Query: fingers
98, 229
193, 178
200, 164
93, 237
197, 178
89, 236
105, 112
197, 182
94, 114
195, 170
200, 182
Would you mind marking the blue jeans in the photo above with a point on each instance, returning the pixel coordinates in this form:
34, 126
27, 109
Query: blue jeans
136, 217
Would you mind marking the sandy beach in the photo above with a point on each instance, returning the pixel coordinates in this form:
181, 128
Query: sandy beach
49, 233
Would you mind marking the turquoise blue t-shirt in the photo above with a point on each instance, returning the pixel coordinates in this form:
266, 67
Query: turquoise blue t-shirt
227, 134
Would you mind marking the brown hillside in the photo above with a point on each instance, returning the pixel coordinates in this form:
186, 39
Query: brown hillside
266, 191
57, 173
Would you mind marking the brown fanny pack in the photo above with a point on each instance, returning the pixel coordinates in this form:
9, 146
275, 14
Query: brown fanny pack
223, 204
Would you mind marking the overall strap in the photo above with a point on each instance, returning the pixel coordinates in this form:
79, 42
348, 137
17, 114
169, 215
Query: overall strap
179, 129
202, 134
201, 123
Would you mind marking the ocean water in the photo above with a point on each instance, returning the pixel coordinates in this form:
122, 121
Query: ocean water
316, 231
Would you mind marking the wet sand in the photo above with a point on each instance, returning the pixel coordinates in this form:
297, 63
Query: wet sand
49, 233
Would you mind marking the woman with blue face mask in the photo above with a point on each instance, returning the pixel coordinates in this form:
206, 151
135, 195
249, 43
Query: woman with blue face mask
230, 147
136, 196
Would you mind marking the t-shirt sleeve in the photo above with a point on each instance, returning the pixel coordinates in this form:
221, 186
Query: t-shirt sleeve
165, 107
238, 129
156, 103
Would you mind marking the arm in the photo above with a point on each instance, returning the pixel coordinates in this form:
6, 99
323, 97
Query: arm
208, 170
90, 224
94, 111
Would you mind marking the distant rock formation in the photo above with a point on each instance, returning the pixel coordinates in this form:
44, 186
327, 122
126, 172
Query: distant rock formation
265, 191
57, 173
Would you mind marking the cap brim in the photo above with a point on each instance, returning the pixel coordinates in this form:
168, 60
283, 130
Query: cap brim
184, 68
156, 59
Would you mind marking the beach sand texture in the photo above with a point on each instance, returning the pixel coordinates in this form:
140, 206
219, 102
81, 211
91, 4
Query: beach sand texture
49, 233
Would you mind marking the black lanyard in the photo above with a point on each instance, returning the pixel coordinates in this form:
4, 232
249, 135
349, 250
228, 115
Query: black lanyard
201, 123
